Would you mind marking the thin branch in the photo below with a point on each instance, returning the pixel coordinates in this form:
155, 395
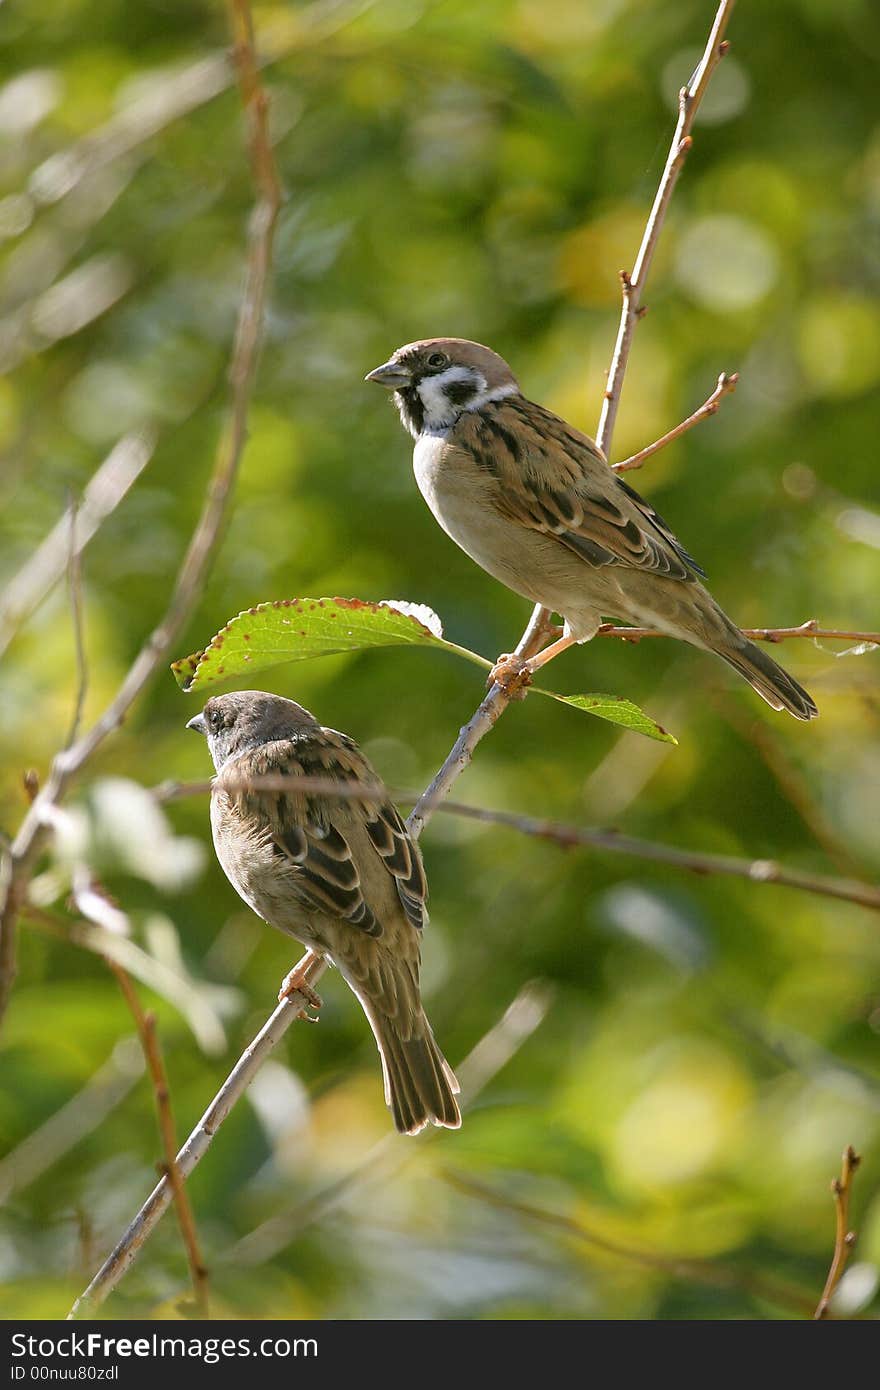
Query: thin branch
106, 489
752, 870
633, 283
522, 1017
486, 717
844, 1238
74, 583
678, 1267
573, 836
810, 628
541, 625
196, 1146
19, 861
726, 385
146, 1028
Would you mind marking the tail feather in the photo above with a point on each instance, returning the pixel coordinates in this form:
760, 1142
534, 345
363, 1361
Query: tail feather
772, 683
420, 1085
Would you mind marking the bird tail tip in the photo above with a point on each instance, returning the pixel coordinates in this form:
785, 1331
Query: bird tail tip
771, 682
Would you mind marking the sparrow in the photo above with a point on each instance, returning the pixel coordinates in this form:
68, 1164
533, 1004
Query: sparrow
341, 875
533, 501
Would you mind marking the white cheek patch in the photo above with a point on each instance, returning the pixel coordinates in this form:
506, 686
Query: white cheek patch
498, 393
440, 411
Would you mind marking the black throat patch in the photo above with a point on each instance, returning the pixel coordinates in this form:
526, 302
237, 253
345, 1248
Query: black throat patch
412, 411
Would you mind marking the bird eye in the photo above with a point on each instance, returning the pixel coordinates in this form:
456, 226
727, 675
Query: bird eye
437, 359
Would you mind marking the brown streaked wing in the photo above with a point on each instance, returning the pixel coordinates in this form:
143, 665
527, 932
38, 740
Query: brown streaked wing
401, 858
555, 481
299, 827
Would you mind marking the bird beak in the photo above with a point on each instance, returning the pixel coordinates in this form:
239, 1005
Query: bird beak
198, 723
391, 375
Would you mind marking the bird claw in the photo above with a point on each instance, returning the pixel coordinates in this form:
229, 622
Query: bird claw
294, 984
513, 673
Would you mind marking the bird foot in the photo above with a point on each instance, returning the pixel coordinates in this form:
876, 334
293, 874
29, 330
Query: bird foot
513, 673
293, 983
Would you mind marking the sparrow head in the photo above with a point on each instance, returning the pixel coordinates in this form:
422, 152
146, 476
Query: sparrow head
434, 381
246, 719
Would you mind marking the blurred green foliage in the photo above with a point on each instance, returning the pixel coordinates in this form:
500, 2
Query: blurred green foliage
478, 170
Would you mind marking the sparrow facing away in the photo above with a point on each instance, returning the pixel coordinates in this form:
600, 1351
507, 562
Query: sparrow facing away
341, 875
534, 502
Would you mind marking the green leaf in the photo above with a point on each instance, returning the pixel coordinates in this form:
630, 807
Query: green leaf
301, 628
616, 710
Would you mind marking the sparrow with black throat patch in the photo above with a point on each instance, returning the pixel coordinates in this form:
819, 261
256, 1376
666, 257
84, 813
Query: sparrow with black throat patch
340, 874
534, 502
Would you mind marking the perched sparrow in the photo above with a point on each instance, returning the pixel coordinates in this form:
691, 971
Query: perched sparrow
533, 501
340, 875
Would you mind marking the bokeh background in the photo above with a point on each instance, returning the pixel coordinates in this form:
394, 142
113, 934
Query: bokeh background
697, 1051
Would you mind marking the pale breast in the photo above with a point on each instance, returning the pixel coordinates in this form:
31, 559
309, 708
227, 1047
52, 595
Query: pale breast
459, 493
259, 876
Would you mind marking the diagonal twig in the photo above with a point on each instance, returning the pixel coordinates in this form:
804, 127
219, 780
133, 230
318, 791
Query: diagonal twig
726, 384
491, 1053
145, 1022
844, 1238
540, 625
46, 566
196, 1146
633, 282
522, 1017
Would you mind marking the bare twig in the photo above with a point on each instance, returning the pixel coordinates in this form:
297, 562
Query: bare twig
844, 1238
810, 628
678, 1267
145, 1022
633, 283
485, 718
195, 1148
574, 836
522, 1017
74, 581
752, 870
518, 1022
26, 590
541, 625
726, 384
19, 861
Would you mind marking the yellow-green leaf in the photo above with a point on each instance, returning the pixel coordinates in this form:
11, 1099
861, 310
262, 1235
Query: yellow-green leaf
616, 710
301, 628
